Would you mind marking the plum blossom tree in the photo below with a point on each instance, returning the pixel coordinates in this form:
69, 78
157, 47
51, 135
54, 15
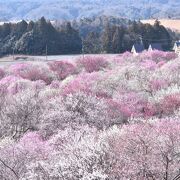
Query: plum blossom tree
147, 150
20, 113
32, 71
131, 104
55, 84
91, 64
62, 69
15, 155
170, 103
77, 155
83, 82
158, 84
170, 71
19, 86
149, 64
157, 56
6, 82
74, 110
2, 73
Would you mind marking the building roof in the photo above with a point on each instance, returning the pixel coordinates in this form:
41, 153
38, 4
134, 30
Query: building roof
177, 43
156, 46
139, 47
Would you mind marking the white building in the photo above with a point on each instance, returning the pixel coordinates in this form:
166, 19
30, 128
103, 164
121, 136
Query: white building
176, 47
137, 48
155, 46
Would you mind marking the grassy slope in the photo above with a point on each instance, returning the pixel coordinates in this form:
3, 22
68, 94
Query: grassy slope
173, 24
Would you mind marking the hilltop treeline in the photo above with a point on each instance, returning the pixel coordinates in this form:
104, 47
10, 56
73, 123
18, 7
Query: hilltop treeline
118, 38
117, 35
98, 35
37, 37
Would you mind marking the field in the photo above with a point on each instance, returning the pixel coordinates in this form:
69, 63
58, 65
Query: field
21, 58
173, 24
98, 117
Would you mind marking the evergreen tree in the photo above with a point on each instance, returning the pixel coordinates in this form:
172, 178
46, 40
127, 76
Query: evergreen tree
117, 40
92, 43
107, 39
30, 26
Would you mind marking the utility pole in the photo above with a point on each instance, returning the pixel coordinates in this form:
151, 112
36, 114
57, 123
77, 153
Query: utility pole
13, 54
141, 39
82, 47
46, 52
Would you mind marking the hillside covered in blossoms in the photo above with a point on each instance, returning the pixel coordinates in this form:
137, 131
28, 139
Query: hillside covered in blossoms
98, 118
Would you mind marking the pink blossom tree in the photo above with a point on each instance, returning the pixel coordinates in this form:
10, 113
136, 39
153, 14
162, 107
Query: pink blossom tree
20, 113
91, 64
147, 151
33, 72
62, 69
2, 73
14, 156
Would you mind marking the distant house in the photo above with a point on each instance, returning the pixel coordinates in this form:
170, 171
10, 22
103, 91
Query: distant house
155, 46
176, 47
137, 48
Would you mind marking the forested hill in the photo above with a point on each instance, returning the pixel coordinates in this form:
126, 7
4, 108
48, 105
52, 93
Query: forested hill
93, 24
117, 36
75, 9
38, 37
